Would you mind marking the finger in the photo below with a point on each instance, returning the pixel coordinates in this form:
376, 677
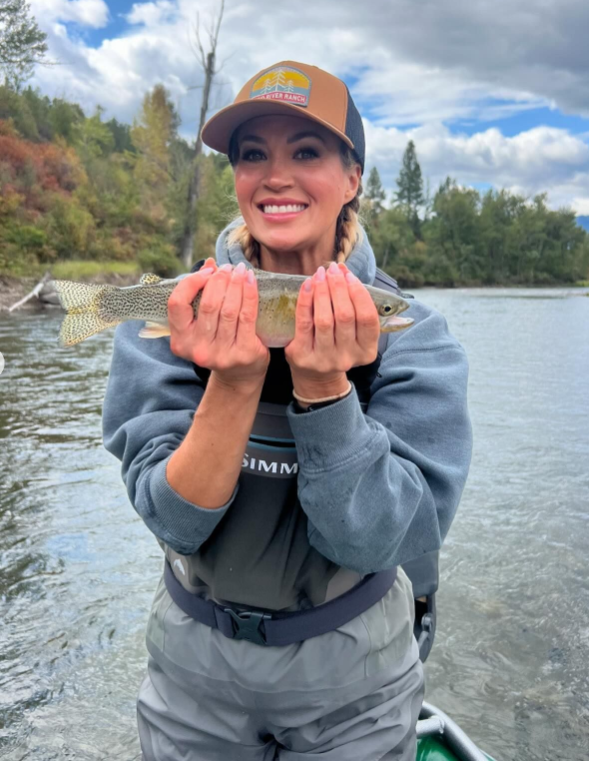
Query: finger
211, 302
246, 329
210, 262
180, 310
322, 312
304, 325
343, 309
229, 314
367, 321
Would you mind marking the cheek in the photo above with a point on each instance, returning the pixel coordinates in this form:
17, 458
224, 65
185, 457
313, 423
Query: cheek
245, 185
328, 190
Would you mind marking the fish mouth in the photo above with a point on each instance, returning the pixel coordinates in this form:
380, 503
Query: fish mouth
392, 324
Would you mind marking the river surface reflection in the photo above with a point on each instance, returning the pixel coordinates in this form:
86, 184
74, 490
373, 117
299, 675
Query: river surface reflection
78, 568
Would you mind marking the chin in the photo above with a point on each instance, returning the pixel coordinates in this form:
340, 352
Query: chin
280, 241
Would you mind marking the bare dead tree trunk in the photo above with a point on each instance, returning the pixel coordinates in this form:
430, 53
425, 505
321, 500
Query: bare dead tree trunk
208, 64
35, 292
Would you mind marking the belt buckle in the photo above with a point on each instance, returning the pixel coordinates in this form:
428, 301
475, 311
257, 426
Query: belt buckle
246, 625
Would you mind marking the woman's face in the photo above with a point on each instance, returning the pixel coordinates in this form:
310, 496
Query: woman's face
290, 182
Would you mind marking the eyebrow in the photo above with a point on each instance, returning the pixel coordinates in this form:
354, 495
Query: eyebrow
293, 139
301, 135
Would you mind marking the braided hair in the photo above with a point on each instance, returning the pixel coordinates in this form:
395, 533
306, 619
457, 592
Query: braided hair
347, 229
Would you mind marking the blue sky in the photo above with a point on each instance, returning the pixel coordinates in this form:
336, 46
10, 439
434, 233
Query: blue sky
493, 93
525, 120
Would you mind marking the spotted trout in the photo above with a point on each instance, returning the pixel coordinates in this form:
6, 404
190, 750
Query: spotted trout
92, 308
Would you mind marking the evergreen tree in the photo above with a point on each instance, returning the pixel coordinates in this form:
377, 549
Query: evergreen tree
374, 190
410, 183
22, 43
122, 136
374, 198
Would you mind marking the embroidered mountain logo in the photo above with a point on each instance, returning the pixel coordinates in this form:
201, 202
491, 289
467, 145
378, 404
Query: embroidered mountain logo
284, 84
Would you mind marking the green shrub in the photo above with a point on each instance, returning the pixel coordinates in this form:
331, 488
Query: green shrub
160, 259
70, 229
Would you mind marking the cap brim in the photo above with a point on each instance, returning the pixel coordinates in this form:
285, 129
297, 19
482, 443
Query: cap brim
218, 130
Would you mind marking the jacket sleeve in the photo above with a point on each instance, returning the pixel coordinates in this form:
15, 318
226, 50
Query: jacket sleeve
382, 488
150, 400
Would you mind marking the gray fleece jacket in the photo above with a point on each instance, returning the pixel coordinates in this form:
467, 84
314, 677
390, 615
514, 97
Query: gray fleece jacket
378, 488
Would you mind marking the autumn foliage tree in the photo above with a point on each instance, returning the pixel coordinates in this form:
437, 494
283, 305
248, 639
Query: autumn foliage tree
75, 187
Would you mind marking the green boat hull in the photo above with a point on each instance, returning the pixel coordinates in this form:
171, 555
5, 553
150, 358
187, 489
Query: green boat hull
433, 749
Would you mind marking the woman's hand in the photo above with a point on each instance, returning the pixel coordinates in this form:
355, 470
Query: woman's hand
223, 337
337, 328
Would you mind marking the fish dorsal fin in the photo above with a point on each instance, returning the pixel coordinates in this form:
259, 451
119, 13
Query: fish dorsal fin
154, 330
149, 279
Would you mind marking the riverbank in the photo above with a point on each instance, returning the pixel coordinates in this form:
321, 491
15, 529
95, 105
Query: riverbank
13, 288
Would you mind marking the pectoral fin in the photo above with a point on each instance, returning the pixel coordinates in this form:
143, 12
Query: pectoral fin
154, 330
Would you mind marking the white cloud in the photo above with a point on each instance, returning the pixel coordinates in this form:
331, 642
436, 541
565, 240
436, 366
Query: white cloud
150, 14
451, 61
92, 13
538, 160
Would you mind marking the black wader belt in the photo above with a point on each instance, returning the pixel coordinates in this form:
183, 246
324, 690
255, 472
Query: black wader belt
282, 628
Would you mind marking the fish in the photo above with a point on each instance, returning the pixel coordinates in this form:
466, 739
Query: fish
92, 308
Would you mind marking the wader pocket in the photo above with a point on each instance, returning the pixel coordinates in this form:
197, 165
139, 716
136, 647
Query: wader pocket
155, 623
390, 626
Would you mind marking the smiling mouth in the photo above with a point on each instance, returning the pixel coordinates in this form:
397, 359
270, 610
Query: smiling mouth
283, 209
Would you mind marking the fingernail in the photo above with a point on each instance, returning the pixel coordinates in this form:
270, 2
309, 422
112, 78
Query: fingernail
308, 285
333, 269
250, 277
240, 267
320, 274
206, 271
226, 268
350, 277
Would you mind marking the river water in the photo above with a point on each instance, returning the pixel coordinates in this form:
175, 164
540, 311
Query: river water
78, 568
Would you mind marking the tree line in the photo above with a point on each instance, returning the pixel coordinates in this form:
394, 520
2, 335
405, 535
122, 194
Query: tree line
462, 237
74, 186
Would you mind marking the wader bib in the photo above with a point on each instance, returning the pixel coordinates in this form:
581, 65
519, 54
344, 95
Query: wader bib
257, 577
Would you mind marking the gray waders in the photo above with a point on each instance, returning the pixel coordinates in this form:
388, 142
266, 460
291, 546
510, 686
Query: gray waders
261, 648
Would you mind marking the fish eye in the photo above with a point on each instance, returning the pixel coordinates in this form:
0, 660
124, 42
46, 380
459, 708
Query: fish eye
386, 309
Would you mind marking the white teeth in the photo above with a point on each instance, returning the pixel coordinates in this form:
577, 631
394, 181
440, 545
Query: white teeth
283, 209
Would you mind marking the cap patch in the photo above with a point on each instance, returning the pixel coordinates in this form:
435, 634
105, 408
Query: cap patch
283, 83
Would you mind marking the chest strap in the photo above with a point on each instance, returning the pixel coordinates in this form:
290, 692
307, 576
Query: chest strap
282, 628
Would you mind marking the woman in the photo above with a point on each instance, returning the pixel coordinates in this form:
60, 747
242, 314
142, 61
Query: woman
282, 628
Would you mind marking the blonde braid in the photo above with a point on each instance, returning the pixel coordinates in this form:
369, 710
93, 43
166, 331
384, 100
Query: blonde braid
347, 232
249, 245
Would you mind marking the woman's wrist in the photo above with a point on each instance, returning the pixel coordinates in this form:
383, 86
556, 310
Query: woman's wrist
240, 386
313, 388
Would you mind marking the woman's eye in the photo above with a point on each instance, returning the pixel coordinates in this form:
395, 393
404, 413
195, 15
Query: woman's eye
252, 155
307, 153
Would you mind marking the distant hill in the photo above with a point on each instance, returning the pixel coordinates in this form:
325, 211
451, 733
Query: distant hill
583, 222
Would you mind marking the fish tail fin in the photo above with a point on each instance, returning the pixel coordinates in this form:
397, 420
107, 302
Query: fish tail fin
84, 318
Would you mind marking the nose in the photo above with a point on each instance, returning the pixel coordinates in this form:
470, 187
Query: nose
278, 175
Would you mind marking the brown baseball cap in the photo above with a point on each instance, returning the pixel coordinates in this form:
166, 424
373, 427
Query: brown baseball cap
291, 88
